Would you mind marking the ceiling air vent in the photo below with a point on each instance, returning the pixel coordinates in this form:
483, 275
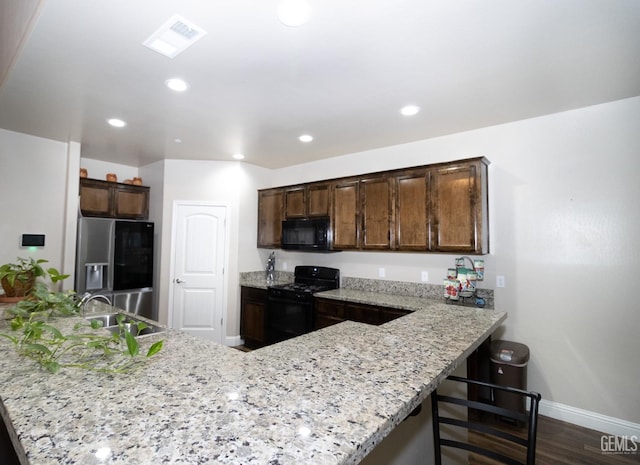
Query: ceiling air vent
174, 36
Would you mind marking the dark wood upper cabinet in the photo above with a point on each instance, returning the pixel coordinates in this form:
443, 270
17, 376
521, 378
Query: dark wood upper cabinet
113, 200
377, 212
459, 219
295, 202
345, 215
432, 208
412, 211
319, 201
270, 215
309, 200
131, 202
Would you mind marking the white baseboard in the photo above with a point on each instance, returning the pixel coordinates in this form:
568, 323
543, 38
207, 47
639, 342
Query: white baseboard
233, 341
588, 419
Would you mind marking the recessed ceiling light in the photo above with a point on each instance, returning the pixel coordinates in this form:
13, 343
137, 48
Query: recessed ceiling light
294, 13
410, 110
116, 123
177, 140
238, 156
305, 138
176, 84
174, 36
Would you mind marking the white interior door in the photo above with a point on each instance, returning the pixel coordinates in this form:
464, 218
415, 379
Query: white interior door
198, 269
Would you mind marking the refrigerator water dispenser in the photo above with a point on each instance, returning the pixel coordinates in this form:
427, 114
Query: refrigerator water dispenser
96, 276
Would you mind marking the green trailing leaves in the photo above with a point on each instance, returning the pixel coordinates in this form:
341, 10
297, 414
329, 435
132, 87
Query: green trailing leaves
155, 348
132, 344
87, 346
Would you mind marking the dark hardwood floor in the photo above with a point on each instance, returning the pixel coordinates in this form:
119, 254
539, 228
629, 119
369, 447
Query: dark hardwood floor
561, 443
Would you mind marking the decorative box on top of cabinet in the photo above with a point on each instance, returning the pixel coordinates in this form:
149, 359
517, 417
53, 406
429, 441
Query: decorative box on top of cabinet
113, 200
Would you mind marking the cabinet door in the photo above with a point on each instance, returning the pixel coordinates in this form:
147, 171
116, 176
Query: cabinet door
295, 201
412, 208
388, 314
96, 198
362, 313
252, 316
377, 213
327, 312
270, 208
345, 215
131, 202
318, 200
458, 208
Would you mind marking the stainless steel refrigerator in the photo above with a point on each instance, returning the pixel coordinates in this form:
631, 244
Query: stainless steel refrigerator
115, 258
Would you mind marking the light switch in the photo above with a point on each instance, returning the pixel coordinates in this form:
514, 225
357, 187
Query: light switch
499, 281
424, 276
381, 272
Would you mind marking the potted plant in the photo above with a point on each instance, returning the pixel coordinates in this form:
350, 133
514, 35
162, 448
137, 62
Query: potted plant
17, 279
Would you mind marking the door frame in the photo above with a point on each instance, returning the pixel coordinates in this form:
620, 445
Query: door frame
225, 274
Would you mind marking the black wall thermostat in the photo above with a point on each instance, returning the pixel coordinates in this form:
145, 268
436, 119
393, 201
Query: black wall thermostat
32, 240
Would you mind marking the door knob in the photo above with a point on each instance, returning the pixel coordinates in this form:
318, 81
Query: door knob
179, 281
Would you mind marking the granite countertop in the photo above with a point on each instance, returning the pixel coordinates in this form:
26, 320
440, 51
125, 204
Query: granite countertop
405, 302
393, 294
327, 397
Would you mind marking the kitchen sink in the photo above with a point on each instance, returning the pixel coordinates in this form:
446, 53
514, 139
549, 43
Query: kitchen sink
129, 324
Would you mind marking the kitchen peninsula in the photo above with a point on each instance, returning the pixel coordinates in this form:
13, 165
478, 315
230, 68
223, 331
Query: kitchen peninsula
327, 397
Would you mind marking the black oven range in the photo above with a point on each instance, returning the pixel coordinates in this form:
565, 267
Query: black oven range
290, 306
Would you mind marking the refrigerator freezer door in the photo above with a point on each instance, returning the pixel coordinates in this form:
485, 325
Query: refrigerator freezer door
133, 255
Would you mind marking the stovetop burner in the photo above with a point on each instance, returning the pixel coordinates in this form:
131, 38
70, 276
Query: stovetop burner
308, 281
299, 287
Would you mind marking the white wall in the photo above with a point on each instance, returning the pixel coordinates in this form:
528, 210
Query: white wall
34, 198
227, 183
564, 225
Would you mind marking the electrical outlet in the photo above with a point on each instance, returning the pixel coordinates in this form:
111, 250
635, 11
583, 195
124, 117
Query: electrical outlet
285, 265
500, 281
424, 276
381, 272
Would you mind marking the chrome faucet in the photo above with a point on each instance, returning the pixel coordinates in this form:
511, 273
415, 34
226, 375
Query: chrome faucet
88, 297
271, 268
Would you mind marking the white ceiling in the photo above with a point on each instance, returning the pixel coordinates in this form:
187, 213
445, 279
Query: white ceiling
256, 85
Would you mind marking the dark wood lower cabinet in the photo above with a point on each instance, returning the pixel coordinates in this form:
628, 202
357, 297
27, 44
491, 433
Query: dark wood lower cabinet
253, 304
329, 312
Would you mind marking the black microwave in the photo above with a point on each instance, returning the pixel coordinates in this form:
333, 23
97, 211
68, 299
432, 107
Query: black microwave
310, 234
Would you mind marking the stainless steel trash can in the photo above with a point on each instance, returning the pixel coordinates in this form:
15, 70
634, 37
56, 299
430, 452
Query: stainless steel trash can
509, 362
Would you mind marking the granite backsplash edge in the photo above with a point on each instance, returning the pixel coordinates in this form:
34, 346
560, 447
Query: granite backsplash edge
424, 290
